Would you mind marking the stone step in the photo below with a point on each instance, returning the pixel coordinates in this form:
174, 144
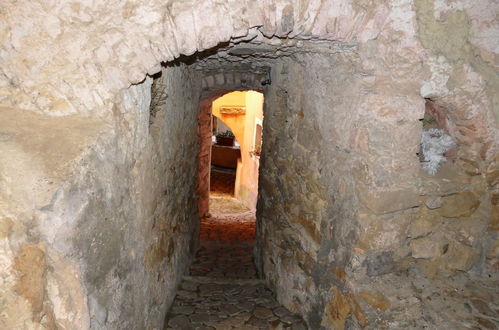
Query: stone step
221, 280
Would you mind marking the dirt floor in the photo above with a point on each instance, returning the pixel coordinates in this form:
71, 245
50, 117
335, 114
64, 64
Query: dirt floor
222, 182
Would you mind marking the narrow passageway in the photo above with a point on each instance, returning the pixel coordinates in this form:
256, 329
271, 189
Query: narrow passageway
365, 134
222, 290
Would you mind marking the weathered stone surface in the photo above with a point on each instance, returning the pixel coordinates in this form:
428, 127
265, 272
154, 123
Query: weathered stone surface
200, 318
448, 180
357, 311
427, 247
492, 178
339, 309
494, 218
381, 201
380, 264
376, 300
459, 205
382, 233
5, 227
493, 251
262, 313
494, 199
433, 202
460, 257
41, 147
179, 321
486, 323
101, 193
186, 310
30, 264
423, 223
429, 267
482, 307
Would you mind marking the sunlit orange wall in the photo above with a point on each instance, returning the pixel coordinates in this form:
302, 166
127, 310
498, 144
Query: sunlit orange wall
243, 127
235, 123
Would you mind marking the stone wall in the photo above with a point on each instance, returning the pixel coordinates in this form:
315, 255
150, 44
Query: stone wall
306, 220
347, 219
106, 246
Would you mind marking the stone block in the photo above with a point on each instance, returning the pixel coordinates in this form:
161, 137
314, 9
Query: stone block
6, 225
338, 309
494, 218
309, 227
210, 81
375, 299
357, 311
459, 257
469, 166
447, 180
492, 178
308, 136
387, 201
428, 247
433, 202
219, 79
380, 264
423, 223
429, 267
493, 252
459, 205
494, 200
31, 266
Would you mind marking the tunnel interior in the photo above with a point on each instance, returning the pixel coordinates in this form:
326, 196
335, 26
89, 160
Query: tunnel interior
377, 200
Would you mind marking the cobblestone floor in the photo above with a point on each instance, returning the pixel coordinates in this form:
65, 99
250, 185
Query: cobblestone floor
222, 290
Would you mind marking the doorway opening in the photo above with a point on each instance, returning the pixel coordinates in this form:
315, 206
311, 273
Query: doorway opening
227, 231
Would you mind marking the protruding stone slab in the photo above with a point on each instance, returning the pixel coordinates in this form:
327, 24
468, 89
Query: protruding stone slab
387, 201
459, 205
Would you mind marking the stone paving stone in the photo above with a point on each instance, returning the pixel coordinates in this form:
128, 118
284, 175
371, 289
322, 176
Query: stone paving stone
189, 286
222, 291
281, 311
183, 310
247, 306
263, 313
179, 321
204, 327
202, 317
259, 323
230, 309
290, 319
209, 289
271, 304
185, 294
298, 326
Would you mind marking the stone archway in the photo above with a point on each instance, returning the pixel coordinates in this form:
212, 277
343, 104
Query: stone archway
214, 87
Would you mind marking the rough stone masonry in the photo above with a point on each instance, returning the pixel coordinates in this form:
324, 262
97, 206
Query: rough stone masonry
99, 186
